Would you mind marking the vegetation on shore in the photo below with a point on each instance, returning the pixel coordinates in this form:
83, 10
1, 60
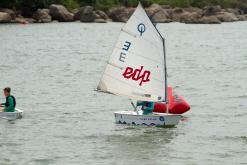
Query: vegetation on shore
32, 5
102, 11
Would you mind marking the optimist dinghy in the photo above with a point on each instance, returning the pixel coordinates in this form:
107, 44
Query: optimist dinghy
137, 69
11, 115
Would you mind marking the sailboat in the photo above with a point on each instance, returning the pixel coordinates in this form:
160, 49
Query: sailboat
11, 115
137, 69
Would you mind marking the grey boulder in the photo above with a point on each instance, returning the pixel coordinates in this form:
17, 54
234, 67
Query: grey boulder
5, 17
60, 13
158, 14
120, 14
42, 16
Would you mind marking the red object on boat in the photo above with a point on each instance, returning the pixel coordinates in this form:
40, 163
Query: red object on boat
176, 105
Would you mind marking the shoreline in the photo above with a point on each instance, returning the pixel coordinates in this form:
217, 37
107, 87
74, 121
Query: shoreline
157, 13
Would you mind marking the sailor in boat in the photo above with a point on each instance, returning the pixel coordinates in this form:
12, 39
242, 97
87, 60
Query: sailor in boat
9, 105
146, 106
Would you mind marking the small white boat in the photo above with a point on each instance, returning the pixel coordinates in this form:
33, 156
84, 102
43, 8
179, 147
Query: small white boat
137, 69
154, 119
11, 115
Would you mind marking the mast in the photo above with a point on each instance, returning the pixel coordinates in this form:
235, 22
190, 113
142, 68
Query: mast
165, 68
166, 86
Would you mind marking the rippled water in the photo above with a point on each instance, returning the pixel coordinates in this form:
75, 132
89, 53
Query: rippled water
54, 68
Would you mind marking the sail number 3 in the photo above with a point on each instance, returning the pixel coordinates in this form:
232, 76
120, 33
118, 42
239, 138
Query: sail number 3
137, 74
125, 49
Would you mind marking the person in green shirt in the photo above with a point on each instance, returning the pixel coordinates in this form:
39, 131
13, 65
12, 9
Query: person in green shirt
10, 103
147, 106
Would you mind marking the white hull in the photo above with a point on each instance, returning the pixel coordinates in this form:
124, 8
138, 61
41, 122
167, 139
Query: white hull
11, 115
155, 119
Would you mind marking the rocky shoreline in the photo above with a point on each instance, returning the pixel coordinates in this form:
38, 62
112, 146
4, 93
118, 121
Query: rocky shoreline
158, 14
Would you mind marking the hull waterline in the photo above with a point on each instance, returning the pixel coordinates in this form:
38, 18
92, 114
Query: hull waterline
155, 119
12, 115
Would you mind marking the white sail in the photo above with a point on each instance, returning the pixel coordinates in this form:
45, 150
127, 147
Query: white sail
136, 67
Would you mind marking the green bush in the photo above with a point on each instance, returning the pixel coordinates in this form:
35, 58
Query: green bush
134, 3
69, 4
106, 4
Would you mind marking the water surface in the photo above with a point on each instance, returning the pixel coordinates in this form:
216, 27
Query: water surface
54, 68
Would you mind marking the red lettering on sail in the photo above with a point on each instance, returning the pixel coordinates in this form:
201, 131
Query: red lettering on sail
137, 74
